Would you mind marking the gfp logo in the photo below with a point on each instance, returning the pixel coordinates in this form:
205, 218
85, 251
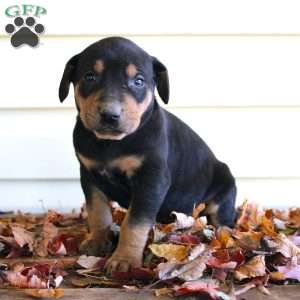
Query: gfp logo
25, 30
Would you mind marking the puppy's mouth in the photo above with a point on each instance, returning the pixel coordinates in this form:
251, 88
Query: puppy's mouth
109, 130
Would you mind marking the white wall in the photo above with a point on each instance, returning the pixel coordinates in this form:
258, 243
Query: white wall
234, 69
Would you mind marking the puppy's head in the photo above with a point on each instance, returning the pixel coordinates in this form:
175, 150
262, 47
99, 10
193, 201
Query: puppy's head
114, 82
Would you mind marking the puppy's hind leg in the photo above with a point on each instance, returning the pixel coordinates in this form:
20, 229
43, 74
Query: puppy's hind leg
221, 209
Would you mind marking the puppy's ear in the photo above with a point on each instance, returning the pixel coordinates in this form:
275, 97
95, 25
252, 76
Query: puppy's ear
161, 79
67, 77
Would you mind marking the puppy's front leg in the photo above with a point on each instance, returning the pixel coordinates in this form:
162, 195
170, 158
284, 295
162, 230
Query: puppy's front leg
99, 219
150, 188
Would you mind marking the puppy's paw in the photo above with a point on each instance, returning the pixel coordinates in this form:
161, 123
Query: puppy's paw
95, 247
122, 263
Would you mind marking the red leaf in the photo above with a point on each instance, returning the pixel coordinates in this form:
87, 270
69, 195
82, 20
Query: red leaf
135, 273
199, 287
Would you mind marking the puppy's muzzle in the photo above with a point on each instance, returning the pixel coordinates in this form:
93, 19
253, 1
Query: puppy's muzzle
110, 114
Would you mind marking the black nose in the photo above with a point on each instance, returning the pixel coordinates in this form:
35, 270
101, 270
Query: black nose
110, 116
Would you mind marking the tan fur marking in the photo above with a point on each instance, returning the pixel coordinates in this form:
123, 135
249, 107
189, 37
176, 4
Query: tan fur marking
88, 108
133, 111
99, 213
131, 70
87, 162
99, 66
132, 242
128, 164
211, 210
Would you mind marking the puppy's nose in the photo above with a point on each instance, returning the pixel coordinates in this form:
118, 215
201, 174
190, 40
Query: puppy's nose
110, 115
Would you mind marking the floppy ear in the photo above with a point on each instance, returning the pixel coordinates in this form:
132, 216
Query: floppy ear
67, 77
161, 79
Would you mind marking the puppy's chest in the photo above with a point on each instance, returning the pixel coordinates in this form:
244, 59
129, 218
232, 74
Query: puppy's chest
126, 165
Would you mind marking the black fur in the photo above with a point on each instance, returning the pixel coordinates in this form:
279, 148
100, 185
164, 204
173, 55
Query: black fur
179, 169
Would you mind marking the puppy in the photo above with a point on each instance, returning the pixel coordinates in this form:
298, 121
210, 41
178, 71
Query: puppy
134, 152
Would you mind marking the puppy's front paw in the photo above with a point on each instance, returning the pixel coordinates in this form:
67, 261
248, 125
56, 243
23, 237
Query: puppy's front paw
122, 262
95, 246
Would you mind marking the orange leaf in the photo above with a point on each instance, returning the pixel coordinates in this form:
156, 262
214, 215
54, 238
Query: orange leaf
253, 268
197, 210
169, 251
45, 293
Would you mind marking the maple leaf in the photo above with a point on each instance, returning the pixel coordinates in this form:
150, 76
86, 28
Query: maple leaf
250, 215
255, 267
281, 244
202, 288
169, 251
224, 236
49, 232
248, 240
188, 270
22, 236
38, 276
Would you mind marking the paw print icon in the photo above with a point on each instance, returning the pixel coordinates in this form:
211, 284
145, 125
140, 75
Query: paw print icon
24, 33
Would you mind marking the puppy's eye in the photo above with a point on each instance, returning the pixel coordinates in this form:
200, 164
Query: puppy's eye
90, 77
139, 82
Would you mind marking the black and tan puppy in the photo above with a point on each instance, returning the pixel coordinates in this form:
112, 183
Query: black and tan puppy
134, 152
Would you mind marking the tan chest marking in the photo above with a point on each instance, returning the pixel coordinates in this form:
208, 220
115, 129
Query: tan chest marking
127, 164
87, 162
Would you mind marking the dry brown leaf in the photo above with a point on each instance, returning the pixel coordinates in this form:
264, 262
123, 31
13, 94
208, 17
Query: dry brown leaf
248, 240
250, 215
277, 276
224, 236
188, 270
283, 245
182, 220
267, 227
170, 251
22, 236
88, 262
253, 268
49, 232
45, 293
197, 210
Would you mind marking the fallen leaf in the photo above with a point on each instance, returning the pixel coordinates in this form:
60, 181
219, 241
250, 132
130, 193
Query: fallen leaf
253, 268
290, 272
248, 240
182, 220
267, 227
22, 236
281, 244
190, 270
169, 251
184, 238
49, 232
224, 236
88, 262
197, 210
277, 276
201, 288
39, 276
45, 293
